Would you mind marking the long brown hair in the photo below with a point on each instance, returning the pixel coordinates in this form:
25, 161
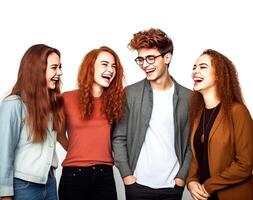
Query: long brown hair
31, 86
228, 87
113, 96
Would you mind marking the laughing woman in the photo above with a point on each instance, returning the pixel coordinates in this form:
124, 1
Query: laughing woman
222, 132
30, 117
90, 112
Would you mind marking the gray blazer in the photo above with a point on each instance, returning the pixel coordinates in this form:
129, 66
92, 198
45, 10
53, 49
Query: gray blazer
129, 134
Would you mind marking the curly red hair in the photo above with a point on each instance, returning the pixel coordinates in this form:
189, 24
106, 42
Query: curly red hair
152, 38
228, 87
113, 96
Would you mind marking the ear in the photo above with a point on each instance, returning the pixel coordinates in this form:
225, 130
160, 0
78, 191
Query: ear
167, 58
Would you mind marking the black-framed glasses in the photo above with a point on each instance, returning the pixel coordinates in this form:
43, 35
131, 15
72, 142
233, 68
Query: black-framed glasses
149, 59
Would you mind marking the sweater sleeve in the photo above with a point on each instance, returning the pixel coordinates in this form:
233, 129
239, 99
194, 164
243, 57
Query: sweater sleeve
119, 144
183, 172
242, 165
11, 122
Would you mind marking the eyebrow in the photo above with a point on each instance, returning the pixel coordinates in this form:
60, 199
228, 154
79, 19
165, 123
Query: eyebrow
201, 64
55, 65
104, 61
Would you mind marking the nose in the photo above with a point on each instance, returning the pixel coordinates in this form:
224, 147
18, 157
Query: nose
110, 68
145, 64
59, 71
195, 70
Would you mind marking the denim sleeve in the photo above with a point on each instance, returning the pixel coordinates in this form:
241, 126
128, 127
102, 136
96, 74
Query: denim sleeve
10, 126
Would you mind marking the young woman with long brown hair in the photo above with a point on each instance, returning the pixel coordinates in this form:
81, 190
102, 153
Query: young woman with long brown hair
91, 111
222, 132
30, 118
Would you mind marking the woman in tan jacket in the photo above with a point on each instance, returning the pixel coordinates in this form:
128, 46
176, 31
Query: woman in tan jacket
222, 132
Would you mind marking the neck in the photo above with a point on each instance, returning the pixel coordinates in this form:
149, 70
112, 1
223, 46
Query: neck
211, 99
97, 90
162, 84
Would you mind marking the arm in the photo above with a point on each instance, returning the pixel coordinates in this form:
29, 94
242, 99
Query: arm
183, 171
193, 170
10, 129
184, 168
242, 165
119, 144
195, 188
63, 140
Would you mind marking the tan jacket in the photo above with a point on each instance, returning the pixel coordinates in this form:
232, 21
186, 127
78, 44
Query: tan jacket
230, 156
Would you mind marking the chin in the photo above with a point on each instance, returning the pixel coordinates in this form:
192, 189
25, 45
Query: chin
52, 87
196, 89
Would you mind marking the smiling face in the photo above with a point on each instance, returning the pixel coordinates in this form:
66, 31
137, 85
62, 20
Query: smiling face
203, 74
157, 70
53, 71
105, 70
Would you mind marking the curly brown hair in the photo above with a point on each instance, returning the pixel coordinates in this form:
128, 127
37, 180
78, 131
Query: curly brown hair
31, 86
152, 38
228, 87
113, 96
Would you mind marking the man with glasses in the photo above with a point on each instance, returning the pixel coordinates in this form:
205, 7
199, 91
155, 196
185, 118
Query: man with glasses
150, 143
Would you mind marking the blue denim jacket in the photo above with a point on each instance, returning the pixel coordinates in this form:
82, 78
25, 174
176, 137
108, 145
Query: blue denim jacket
19, 157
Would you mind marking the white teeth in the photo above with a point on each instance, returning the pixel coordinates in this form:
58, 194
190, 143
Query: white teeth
107, 76
198, 79
149, 70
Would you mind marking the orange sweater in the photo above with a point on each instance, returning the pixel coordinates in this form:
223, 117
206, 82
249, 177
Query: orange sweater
89, 140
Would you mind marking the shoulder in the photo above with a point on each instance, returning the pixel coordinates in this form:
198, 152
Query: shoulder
136, 85
135, 88
69, 94
240, 111
181, 90
11, 107
12, 102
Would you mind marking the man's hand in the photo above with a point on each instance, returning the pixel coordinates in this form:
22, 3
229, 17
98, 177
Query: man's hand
180, 182
128, 180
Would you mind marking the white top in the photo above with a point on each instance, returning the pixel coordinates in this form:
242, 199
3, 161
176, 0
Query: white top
157, 164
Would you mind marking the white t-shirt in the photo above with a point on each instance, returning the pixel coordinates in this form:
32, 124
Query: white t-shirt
157, 164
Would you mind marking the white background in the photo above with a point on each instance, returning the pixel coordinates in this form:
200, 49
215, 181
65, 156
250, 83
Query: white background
75, 27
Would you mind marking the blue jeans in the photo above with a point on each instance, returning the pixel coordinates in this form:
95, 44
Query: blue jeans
25, 190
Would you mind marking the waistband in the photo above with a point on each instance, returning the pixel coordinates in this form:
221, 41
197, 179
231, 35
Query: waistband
89, 168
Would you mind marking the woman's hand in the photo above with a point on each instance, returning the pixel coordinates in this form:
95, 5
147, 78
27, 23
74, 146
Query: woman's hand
197, 191
6, 198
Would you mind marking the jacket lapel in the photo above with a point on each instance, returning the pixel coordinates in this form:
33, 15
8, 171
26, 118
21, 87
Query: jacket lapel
216, 124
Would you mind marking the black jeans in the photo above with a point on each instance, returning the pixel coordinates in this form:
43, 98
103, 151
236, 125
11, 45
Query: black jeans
87, 183
141, 192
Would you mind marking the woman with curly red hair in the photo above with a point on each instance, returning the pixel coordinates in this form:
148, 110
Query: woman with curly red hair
90, 111
222, 132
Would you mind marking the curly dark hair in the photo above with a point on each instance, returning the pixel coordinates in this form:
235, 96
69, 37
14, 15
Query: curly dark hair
228, 86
